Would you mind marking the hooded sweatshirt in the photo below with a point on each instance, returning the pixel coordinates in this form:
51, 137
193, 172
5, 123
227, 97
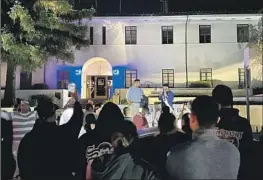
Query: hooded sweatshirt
237, 130
122, 167
234, 128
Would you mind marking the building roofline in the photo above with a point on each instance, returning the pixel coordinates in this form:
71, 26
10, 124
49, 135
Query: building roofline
182, 13
178, 18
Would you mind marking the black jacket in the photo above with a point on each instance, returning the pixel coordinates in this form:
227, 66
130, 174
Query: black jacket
109, 164
122, 167
7, 159
48, 152
235, 128
238, 131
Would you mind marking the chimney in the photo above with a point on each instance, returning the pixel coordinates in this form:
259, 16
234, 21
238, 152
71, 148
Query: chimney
164, 6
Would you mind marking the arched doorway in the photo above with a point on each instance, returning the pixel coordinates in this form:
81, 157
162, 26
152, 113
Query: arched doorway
96, 78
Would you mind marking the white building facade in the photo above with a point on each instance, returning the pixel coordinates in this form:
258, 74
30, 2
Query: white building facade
157, 50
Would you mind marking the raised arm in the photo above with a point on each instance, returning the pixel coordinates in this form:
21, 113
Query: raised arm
76, 121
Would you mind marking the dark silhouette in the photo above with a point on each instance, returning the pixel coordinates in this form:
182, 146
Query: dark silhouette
48, 151
7, 159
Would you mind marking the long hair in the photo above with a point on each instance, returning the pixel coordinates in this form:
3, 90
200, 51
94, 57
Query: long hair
108, 121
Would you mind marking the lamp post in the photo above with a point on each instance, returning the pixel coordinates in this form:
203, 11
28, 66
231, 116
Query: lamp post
246, 66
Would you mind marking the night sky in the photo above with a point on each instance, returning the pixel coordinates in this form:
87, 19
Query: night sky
153, 6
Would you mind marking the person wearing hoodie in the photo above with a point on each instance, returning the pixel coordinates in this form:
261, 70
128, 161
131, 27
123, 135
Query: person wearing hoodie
206, 156
169, 136
48, 151
124, 163
96, 143
233, 127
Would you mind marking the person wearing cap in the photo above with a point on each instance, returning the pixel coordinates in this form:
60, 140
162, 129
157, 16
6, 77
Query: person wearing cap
23, 123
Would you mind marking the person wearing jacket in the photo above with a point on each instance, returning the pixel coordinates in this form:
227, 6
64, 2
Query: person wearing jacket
233, 127
166, 96
48, 151
206, 156
125, 162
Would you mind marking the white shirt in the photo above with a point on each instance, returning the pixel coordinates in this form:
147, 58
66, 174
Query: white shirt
66, 115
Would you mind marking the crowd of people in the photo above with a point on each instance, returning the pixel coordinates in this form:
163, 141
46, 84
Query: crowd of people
104, 143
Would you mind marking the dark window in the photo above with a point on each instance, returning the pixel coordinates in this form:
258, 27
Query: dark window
103, 35
168, 77
130, 35
167, 34
241, 78
63, 79
130, 76
206, 74
242, 33
91, 35
25, 80
204, 34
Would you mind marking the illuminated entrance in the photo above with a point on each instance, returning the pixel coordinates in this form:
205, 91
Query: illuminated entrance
96, 79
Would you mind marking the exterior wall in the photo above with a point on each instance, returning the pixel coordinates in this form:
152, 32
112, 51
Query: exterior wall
37, 76
149, 56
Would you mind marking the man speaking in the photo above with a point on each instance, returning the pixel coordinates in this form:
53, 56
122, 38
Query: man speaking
167, 97
134, 96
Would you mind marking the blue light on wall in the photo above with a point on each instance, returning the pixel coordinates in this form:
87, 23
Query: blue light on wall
74, 75
118, 77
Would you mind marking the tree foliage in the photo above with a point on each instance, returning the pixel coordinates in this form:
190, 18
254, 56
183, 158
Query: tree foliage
256, 41
33, 30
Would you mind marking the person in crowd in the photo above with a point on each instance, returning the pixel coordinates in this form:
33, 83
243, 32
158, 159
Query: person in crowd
166, 97
68, 112
165, 110
140, 120
166, 123
127, 113
206, 156
23, 122
17, 105
90, 102
157, 111
134, 97
123, 163
97, 107
48, 151
185, 109
7, 159
234, 128
231, 126
96, 143
186, 125
90, 110
89, 124
169, 136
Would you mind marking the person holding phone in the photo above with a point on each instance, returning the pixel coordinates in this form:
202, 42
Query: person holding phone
68, 112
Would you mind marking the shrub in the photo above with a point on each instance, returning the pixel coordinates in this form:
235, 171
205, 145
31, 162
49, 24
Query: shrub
124, 101
40, 86
257, 90
201, 84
